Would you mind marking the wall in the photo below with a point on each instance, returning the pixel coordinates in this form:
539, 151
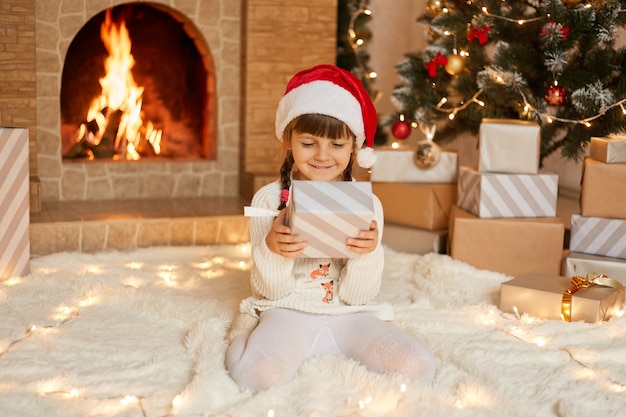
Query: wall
280, 37
17, 70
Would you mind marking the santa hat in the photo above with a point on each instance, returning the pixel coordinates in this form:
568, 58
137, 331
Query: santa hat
331, 91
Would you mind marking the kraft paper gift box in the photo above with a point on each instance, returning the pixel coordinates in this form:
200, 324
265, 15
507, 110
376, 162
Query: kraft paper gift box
491, 194
398, 165
425, 206
409, 239
326, 213
598, 236
507, 145
541, 295
578, 263
14, 203
611, 150
603, 189
512, 246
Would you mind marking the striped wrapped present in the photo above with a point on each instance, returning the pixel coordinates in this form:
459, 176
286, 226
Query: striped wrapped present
490, 194
326, 213
598, 236
583, 264
14, 203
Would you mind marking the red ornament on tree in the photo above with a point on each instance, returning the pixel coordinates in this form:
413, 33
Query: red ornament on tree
401, 129
555, 95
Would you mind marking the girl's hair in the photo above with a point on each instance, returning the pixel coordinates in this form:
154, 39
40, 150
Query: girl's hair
316, 125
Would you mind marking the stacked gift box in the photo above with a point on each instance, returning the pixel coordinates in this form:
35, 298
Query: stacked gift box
416, 200
14, 203
505, 216
598, 234
591, 285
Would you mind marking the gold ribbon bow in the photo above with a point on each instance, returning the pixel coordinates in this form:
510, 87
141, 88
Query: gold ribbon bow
579, 283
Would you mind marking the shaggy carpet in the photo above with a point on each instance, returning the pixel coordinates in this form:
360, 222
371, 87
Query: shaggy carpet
142, 333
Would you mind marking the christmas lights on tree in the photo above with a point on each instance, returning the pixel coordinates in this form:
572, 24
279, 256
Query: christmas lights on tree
353, 36
551, 61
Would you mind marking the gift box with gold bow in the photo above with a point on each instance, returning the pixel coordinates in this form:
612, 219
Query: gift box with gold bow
578, 263
588, 298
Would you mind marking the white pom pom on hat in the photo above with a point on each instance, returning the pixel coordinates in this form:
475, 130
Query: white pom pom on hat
331, 91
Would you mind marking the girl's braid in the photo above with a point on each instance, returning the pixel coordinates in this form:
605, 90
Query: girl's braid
347, 173
285, 176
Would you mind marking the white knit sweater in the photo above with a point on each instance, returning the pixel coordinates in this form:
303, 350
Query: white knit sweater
312, 285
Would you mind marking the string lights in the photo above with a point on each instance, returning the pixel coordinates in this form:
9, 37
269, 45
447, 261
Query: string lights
356, 43
529, 111
525, 335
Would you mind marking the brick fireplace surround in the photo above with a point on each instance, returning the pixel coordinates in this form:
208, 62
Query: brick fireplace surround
254, 46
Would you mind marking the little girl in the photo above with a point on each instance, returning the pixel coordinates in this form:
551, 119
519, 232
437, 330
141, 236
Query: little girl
324, 120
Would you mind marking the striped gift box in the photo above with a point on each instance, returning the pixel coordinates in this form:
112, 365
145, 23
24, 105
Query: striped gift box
325, 213
490, 194
598, 236
578, 263
14, 203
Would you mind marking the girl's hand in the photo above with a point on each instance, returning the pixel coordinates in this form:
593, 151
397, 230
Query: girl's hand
280, 240
366, 241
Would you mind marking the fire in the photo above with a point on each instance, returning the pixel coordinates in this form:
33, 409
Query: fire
115, 126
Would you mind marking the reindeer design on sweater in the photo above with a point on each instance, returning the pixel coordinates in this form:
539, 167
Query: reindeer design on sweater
328, 286
320, 272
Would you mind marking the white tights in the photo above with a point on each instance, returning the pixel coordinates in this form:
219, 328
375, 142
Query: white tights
283, 339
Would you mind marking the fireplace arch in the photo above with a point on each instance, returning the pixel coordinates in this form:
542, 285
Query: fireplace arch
173, 70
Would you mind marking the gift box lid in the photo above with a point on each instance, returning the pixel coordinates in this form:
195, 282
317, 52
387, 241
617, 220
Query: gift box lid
326, 213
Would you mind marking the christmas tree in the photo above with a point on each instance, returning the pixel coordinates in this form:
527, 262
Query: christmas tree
551, 61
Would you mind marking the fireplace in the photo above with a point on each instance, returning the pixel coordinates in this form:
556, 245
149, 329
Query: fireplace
135, 85
185, 67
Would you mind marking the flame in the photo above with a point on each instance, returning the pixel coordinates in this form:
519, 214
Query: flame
118, 108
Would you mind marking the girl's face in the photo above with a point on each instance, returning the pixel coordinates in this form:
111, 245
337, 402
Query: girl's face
319, 158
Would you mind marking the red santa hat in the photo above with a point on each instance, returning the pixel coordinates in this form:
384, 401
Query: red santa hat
331, 91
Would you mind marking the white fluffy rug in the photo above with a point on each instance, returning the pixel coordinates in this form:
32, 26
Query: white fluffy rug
142, 334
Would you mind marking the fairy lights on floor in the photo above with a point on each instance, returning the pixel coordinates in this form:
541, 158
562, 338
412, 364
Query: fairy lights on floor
524, 334
165, 274
520, 328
